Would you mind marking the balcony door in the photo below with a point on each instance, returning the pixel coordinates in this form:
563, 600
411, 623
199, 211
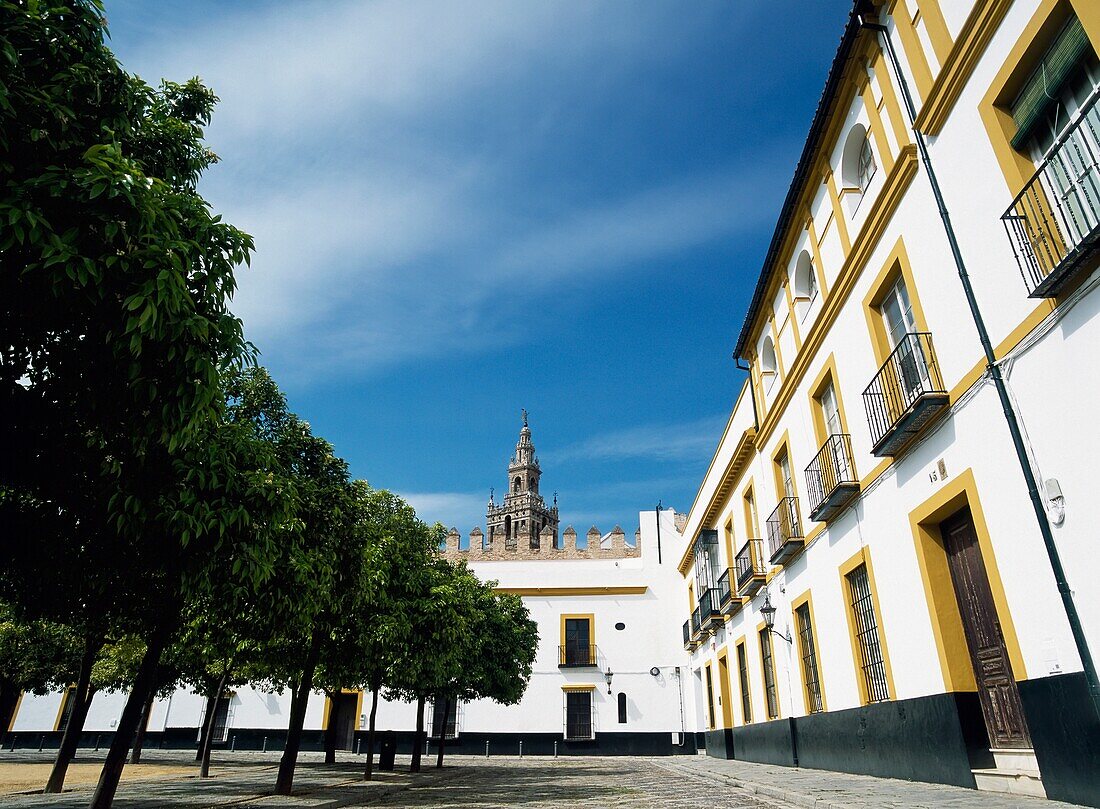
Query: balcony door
909, 369
997, 692
578, 639
836, 467
1072, 179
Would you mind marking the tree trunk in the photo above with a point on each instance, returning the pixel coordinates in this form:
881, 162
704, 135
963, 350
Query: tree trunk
443, 731
370, 733
139, 739
330, 728
9, 698
144, 682
418, 741
82, 701
208, 728
285, 779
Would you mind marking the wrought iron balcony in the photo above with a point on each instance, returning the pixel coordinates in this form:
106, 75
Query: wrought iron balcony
696, 624
784, 531
728, 597
750, 568
689, 642
576, 656
831, 481
1054, 222
710, 612
906, 393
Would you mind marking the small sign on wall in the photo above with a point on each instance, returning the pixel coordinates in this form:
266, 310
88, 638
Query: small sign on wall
938, 473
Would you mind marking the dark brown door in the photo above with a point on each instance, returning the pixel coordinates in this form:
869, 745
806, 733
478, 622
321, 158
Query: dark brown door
343, 714
997, 691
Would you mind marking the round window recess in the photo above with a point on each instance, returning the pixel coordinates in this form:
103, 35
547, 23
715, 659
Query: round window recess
620, 626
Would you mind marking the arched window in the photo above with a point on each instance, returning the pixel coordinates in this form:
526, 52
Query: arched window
858, 166
769, 366
805, 279
517, 484
622, 708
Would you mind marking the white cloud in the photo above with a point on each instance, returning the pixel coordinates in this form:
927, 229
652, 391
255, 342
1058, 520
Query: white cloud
462, 510
687, 441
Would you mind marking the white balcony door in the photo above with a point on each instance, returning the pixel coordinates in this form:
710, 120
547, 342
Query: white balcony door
909, 368
836, 455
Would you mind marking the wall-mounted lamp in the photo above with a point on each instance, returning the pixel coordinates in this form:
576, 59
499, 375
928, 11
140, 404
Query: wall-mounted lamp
768, 612
608, 677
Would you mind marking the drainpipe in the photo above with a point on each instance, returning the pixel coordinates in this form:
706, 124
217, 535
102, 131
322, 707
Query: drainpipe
998, 381
658, 512
752, 392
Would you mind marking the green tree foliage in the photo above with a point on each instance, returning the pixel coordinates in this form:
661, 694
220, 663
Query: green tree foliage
35, 656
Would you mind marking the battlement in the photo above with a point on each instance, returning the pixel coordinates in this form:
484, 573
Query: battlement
600, 546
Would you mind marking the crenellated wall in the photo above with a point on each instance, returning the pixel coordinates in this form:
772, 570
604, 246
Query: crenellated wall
611, 546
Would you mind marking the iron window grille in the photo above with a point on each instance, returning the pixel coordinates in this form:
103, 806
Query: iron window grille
766, 658
743, 674
578, 715
810, 677
872, 664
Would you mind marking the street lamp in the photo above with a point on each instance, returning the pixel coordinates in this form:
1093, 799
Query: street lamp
768, 613
608, 677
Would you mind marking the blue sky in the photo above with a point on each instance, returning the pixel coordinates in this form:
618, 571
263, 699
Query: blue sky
463, 209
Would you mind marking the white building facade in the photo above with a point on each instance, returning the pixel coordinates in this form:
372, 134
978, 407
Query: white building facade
866, 488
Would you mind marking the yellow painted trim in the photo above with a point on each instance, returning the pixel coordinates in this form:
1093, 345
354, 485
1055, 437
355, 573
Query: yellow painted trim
66, 695
936, 26
14, 713
590, 617
826, 376
915, 56
796, 604
885, 80
745, 685
959, 491
958, 66
760, 630
780, 365
561, 592
897, 264
791, 317
838, 214
691, 597
751, 510
727, 533
815, 256
878, 217
812, 536
860, 557
579, 687
708, 688
724, 687
878, 131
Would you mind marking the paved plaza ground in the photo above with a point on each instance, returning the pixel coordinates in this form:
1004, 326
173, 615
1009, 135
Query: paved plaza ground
168, 779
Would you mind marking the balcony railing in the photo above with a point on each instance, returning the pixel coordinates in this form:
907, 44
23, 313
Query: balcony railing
905, 394
709, 607
728, 597
689, 643
576, 656
1054, 222
831, 480
750, 568
784, 531
696, 624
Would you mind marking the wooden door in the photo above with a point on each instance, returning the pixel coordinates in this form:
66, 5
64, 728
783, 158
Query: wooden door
997, 691
344, 715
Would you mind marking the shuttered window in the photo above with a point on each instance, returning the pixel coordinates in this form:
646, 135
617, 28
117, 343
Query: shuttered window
1042, 86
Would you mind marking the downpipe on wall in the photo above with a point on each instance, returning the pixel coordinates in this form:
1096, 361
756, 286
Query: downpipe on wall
994, 371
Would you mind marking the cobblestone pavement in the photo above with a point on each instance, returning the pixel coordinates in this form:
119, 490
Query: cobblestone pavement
246, 779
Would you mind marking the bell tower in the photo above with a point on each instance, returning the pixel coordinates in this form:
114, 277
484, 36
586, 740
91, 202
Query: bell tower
524, 514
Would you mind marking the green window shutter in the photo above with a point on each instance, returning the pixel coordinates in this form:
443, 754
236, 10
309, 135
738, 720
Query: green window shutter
1041, 88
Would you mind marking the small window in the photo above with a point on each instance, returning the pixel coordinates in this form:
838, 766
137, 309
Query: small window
620, 626
769, 364
805, 283
871, 663
743, 675
771, 694
622, 708
858, 164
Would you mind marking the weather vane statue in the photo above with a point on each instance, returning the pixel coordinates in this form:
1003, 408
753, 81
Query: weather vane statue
523, 410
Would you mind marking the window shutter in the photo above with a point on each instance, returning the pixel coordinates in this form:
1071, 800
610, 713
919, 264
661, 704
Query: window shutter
1041, 88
